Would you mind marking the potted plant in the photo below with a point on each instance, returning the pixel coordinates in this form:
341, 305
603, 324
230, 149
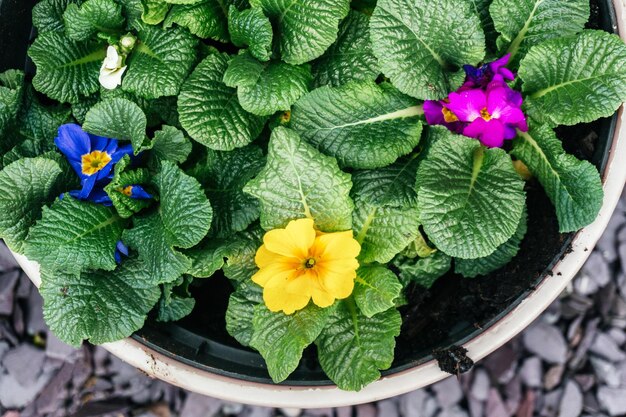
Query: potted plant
342, 187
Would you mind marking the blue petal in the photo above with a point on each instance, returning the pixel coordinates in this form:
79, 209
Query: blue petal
98, 143
99, 196
73, 141
111, 146
118, 257
88, 183
121, 151
122, 248
105, 171
137, 192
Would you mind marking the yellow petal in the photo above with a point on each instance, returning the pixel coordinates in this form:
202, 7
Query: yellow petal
292, 241
338, 285
278, 299
336, 246
272, 271
322, 299
264, 257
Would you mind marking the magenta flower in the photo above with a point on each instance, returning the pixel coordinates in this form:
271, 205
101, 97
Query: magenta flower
482, 77
437, 113
491, 115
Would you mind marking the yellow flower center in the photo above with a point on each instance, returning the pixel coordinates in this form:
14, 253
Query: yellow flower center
484, 113
127, 191
448, 116
310, 263
94, 162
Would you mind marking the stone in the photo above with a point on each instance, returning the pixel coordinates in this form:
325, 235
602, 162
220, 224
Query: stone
365, 410
513, 394
597, 267
411, 404
585, 285
585, 381
15, 395
495, 406
546, 341
476, 407
448, 392
551, 402
606, 372
613, 400
455, 411
527, 406
618, 335
24, 363
572, 401
320, 412
230, 408
8, 281
531, 372
552, 378
261, 412
57, 349
200, 405
7, 261
387, 408
604, 346
344, 411
34, 316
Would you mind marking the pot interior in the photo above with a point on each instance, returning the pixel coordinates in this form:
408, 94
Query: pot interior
454, 311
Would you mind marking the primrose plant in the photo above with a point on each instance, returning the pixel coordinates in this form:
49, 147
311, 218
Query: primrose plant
323, 156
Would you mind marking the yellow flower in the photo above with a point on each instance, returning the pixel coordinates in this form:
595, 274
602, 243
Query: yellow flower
298, 264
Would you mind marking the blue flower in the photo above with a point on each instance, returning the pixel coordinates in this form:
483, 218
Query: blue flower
136, 191
92, 157
120, 249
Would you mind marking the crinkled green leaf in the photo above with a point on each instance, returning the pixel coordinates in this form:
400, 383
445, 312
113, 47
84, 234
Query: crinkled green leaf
66, 70
93, 16
362, 124
298, 182
376, 289
117, 118
239, 254
470, 198
576, 79
160, 62
74, 236
386, 217
40, 123
176, 301
240, 316
25, 186
424, 271
282, 338
210, 112
265, 88
205, 19
305, 29
573, 186
125, 205
171, 144
525, 23
11, 93
253, 29
471, 268
206, 258
223, 176
481, 8
421, 43
350, 58
352, 348
48, 15
154, 11
98, 305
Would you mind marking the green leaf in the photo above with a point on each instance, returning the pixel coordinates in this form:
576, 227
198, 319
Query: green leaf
575, 80
205, 19
471, 268
252, 29
265, 88
420, 43
206, 259
182, 221
362, 124
74, 236
376, 289
97, 305
48, 15
25, 186
350, 58
239, 254
298, 182
240, 316
525, 23
573, 186
424, 271
178, 308
154, 11
66, 70
352, 348
386, 218
117, 118
125, 205
306, 29
171, 144
281, 338
11, 93
210, 112
481, 8
40, 123
470, 198
93, 16
223, 176
160, 62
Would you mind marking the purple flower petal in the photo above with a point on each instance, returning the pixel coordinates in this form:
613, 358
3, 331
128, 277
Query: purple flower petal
467, 105
433, 112
490, 133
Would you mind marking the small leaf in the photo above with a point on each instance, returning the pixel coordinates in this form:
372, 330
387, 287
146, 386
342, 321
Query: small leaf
40, 123
11, 93
470, 198
252, 29
48, 15
171, 144
362, 124
210, 112
205, 19
352, 348
424, 271
154, 11
125, 205
306, 29
240, 316
74, 236
298, 182
573, 186
415, 50
265, 88
93, 16
481, 7
281, 338
376, 289
576, 79
117, 118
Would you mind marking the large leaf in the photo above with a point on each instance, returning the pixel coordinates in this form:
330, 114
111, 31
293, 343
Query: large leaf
352, 348
171, 144
424, 271
471, 268
253, 29
240, 316
481, 7
470, 198
205, 19
263, 88
117, 118
39, 122
575, 80
298, 182
386, 218
93, 16
160, 62
11, 93
74, 236
362, 124
97, 305
210, 112
48, 15
376, 289
350, 58
573, 186
281, 338
25, 186
223, 176
420, 43
304, 30
66, 70
154, 11
525, 23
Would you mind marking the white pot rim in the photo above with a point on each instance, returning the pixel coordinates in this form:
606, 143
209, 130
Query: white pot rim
160, 366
